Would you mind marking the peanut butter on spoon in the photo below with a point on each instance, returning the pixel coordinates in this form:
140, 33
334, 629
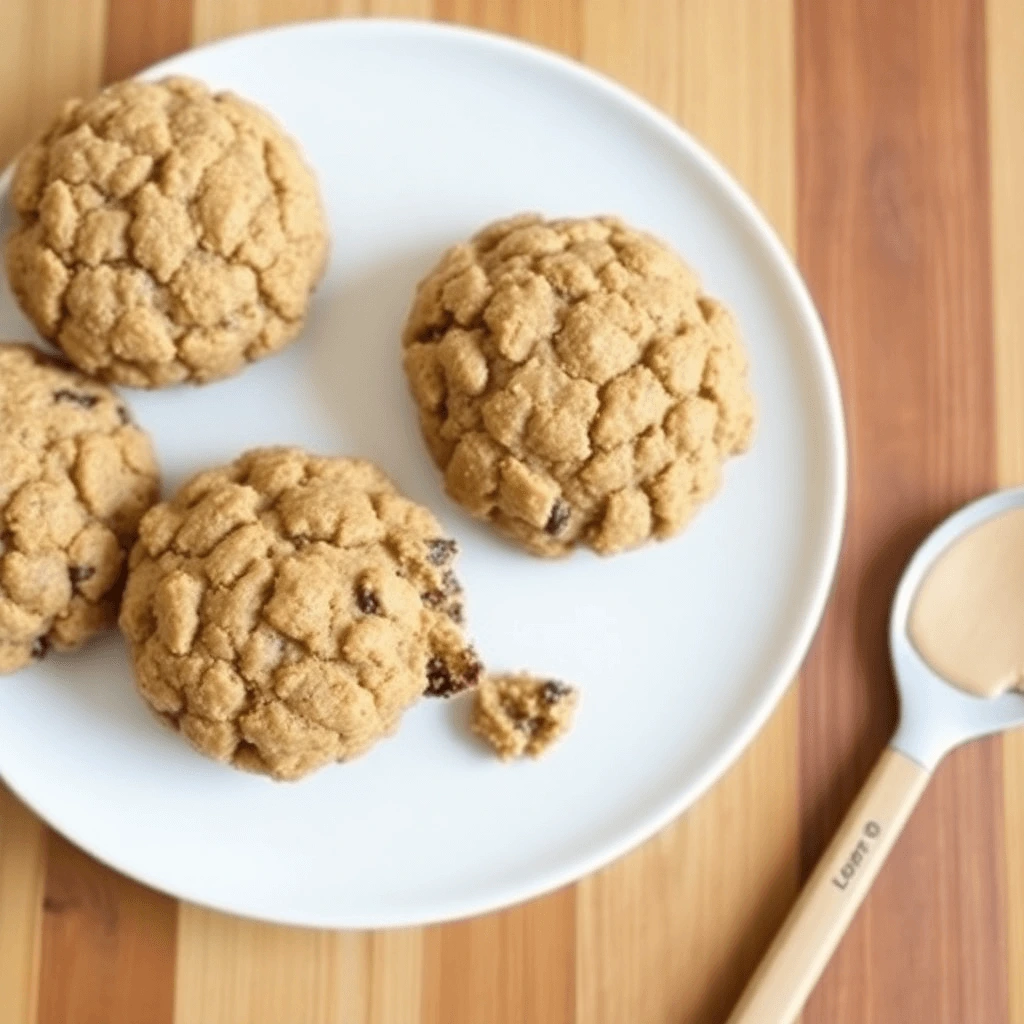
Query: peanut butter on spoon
967, 619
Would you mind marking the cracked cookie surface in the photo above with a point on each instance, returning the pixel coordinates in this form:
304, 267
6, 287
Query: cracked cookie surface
521, 714
166, 234
75, 478
574, 383
285, 610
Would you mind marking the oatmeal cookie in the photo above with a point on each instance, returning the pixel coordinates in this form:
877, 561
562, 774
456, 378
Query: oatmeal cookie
166, 234
521, 714
283, 611
575, 385
75, 478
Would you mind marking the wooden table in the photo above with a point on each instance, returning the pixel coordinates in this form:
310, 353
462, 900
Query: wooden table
885, 140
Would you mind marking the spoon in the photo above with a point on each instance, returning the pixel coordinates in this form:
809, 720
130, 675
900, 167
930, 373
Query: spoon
958, 611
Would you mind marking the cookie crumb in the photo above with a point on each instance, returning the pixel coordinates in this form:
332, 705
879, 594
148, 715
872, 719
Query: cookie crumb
520, 714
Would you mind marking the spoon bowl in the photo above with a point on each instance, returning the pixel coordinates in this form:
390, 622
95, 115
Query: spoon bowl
936, 716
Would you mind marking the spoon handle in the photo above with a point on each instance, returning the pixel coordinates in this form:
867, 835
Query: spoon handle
791, 968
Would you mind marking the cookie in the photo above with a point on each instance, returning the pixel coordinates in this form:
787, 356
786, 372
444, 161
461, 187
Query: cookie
522, 714
75, 478
285, 610
575, 385
167, 234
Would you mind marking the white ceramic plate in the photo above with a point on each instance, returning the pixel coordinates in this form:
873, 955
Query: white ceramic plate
420, 134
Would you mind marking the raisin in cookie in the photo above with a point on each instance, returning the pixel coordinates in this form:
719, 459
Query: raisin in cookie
285, 610
75, 478
575, 384
521, 714
167, 234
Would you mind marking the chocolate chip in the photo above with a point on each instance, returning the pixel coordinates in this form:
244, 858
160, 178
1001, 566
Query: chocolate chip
473, 671
124, 416
559, 518
521, 722
433, 598
40, 647
442, 682
439, 680
553, 691
457, 614
435, 332
450, 584
441, 551
81, 573
367, 600
76, 398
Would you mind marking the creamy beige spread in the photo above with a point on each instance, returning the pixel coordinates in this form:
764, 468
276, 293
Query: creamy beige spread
967, 619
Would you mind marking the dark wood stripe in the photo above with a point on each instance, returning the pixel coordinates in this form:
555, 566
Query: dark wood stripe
894, 238
141, 32
108, 945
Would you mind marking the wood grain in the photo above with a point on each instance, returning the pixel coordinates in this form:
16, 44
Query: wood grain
108, 945
1005, 37
48, 51
231, 970
214, 19
670, 933
894, 238
140, 34
22, 870
504, 968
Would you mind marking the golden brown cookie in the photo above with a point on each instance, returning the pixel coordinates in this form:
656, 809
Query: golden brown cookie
75, 478
575, 384
167, 234
521, 714
283, 611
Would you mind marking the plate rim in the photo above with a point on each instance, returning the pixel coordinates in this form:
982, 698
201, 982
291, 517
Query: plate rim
825, 565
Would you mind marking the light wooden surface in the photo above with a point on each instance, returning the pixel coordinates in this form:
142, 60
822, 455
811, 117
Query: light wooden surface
884, 141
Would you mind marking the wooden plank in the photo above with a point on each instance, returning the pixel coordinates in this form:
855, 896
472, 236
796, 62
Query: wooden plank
894, 238
48, 51
505, 968
22, 869
108, 945
670, 933
520, 965
1005, 38
231, 970
214, 19
140, 34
